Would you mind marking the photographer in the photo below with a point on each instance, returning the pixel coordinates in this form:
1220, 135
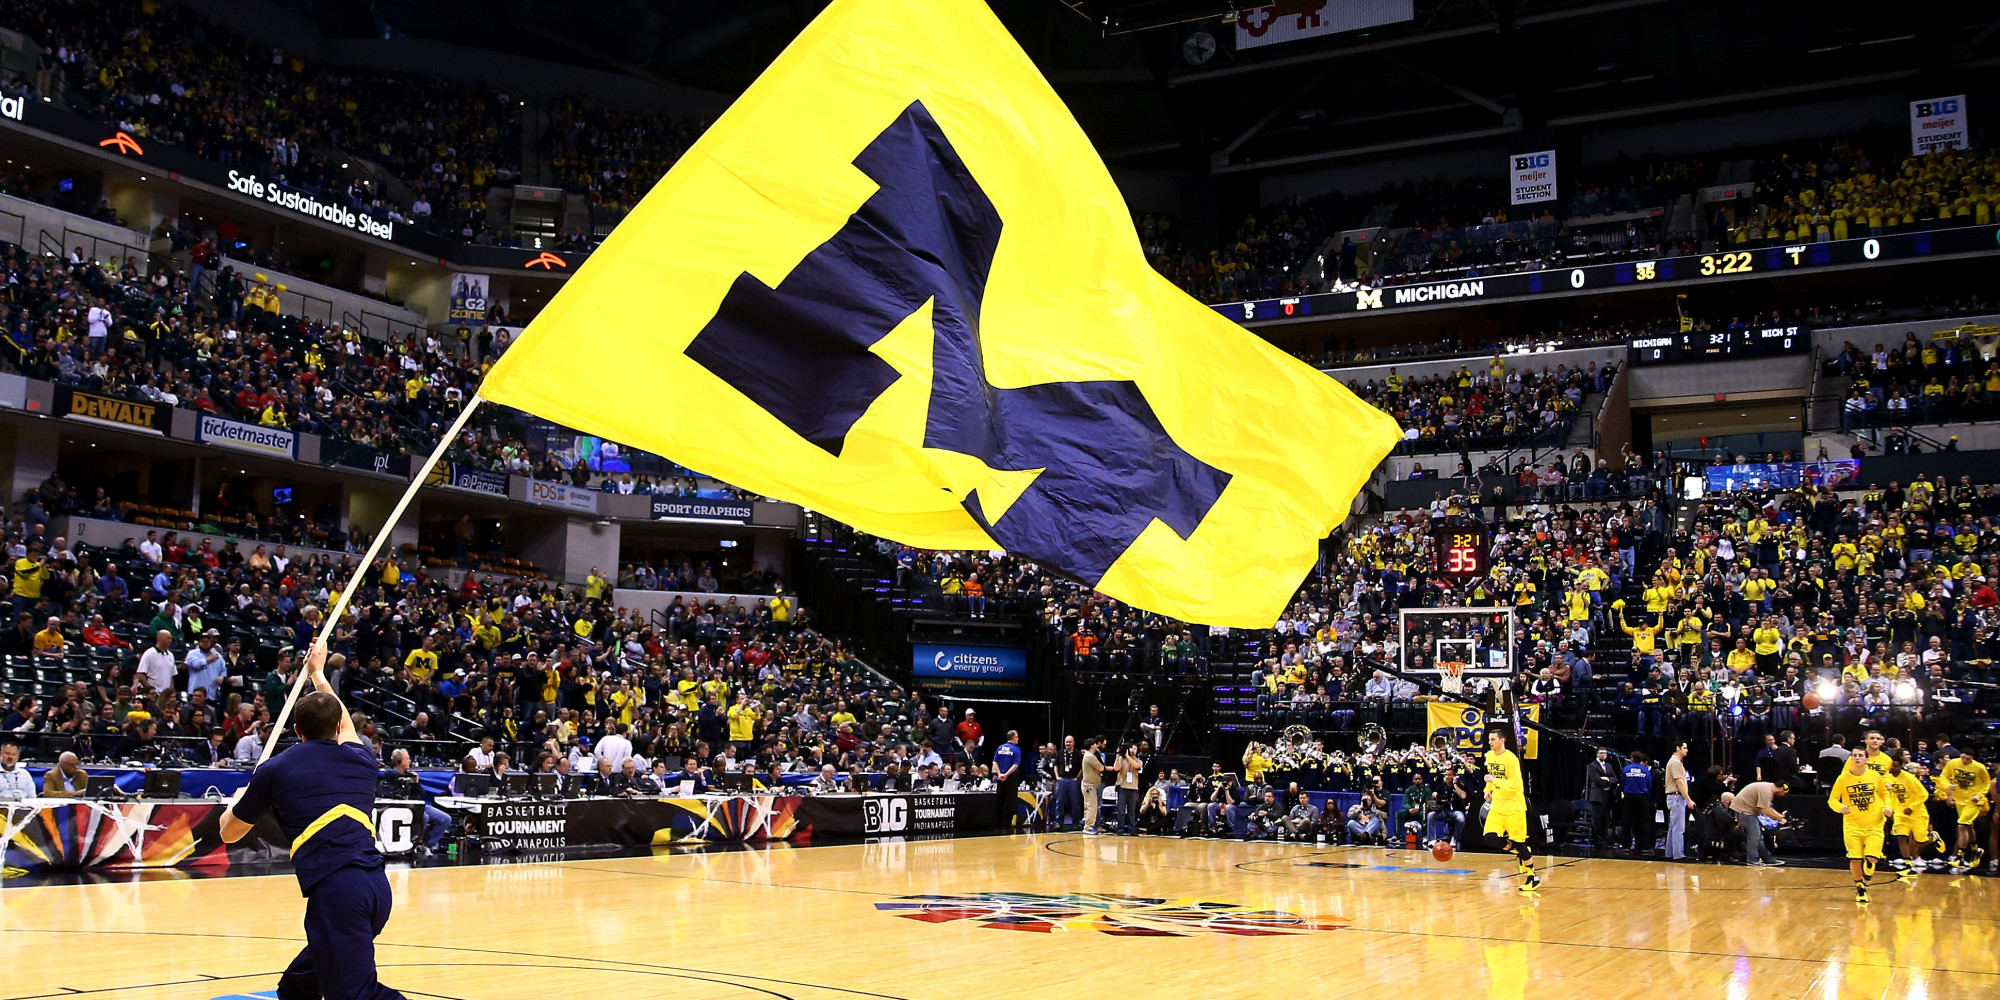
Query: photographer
1263, 811
1366, 819
1130, 763
1153, 816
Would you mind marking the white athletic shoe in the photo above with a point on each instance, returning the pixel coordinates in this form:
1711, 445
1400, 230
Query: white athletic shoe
1900, 863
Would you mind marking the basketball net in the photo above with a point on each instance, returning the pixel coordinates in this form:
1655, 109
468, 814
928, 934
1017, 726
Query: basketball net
1451, 677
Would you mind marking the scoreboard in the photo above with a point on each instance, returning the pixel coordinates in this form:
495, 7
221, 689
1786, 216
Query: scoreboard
1462, 551
1716, 345
1678, 271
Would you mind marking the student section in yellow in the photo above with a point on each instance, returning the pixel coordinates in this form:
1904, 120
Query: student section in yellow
1070, 297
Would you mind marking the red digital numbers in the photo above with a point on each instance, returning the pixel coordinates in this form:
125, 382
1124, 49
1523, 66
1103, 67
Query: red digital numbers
1462, 556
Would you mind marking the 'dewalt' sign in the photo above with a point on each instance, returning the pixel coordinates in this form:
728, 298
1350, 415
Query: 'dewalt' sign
130, 414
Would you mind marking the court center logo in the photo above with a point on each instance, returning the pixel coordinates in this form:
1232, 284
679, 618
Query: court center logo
1106, 913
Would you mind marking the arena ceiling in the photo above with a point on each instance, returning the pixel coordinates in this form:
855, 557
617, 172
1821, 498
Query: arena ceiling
1461, 71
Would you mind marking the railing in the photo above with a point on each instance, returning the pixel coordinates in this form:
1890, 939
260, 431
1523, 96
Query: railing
20, 227
77, 237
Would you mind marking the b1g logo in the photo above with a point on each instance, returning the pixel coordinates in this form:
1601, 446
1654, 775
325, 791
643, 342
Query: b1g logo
395, 830
1533, 161
1942, 106
885, 815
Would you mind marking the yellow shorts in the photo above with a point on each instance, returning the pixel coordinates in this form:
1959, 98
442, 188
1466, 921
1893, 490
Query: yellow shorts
1863, 841
1917, 824
1510, 824
1969, 812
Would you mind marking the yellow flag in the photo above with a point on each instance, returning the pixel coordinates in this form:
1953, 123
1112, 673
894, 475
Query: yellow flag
895, 284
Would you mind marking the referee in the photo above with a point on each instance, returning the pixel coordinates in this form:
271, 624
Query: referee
322, 794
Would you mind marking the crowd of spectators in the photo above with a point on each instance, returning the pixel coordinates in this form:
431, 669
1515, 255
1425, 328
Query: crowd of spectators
1941, 378
1841, 193
612, 157
1503, 405
157, 652
217, 343
164, 72
1434, 229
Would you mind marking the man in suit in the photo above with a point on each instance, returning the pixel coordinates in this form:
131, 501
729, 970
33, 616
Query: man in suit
211, 753
1600, 788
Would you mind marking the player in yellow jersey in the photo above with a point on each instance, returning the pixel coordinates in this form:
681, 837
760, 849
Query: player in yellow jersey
1872, 743
1861, 798
1507, 806
1910, 816
1964, 783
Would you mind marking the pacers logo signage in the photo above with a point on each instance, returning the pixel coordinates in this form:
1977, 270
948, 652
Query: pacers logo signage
130, 414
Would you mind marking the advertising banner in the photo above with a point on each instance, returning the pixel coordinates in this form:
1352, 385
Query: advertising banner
1842, 472
1465, 726
349, 455
468, 300
702, 509
465, 477
552, 494
517, 826
1531, 177
1293, 20
969, 666
1938, 123
153, 418
275, 442
894, 815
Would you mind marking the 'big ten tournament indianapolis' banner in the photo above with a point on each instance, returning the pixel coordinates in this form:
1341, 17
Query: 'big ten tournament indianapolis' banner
552, 494
275, 442
1292, 20
1938, 123
702, 509
1532, 177
468, 300
969, 666
1465, 726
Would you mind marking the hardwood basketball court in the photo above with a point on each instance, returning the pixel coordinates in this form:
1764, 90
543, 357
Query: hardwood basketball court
1029, 917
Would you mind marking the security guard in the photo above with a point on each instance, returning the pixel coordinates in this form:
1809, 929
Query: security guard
322, 794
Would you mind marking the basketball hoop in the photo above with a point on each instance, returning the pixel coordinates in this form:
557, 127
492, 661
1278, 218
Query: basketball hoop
1451, 677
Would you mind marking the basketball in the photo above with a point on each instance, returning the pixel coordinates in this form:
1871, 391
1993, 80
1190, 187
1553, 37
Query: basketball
1441, 850
1809, 701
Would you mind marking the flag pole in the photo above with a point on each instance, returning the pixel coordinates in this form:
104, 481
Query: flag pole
417, 477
